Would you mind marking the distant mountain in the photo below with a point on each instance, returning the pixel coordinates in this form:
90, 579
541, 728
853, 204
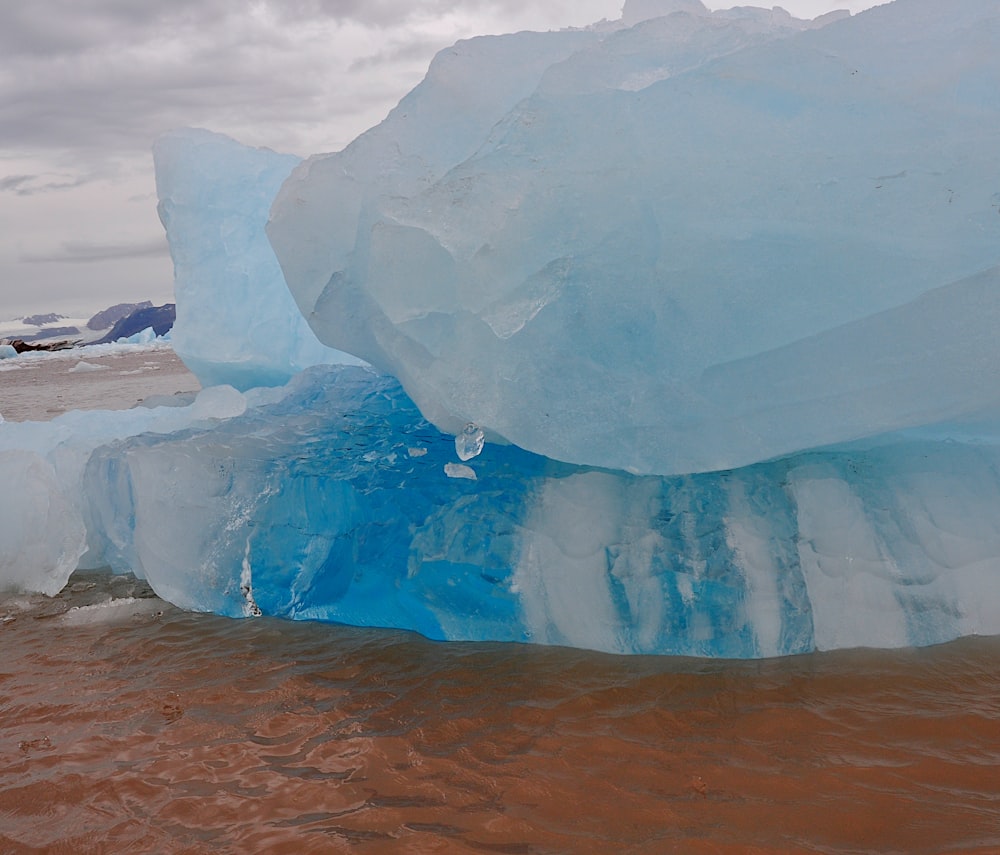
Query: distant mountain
110, 316
160, 318
41, 320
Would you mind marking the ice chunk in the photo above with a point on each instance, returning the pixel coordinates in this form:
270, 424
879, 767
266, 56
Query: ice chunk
43, 508
218, 402
624, 267
459, 470
469, 443
236, 322
7, 351
112, 611
41, 537
83, 367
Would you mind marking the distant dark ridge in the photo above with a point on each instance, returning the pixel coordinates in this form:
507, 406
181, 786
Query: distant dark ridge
41, 320
51, 332
160, 318
110, 316
22, 346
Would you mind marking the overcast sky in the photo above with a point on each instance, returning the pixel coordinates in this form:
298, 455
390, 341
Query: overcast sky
87, 85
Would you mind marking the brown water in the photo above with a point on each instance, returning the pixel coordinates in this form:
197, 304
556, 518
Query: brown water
39, 387
140, 728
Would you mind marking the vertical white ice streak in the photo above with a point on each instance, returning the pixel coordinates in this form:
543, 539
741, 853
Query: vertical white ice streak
954, 530
849, 575
587, 537
750, 538
563, 572
250, 607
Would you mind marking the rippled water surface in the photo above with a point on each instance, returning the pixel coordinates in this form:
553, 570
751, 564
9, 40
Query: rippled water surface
135, 727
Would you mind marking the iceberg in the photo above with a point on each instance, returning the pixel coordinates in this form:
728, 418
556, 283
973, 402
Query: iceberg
630, 261
236, 322
677, 338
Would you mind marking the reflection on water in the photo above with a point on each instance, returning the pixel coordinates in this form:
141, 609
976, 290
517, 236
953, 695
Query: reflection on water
136, 727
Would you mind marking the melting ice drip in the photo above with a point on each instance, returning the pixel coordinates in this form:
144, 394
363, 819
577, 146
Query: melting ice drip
469, 443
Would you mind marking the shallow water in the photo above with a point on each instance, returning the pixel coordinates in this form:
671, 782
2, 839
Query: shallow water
41, 386
132, 726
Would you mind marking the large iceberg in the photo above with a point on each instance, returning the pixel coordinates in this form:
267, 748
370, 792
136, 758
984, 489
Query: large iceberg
686, 245
680, 333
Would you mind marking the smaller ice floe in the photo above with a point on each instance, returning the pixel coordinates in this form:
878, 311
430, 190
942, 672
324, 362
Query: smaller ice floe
121, 610
7, 351
146, 336
83, 367
215, 195
459, 470
43, 537
218, 402
178, 399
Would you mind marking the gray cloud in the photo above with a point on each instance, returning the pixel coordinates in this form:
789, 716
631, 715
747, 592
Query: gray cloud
16, 183
117, 60
386, 14
75, 252
58, 28
29, 185
119, 93
410, 51
110, 75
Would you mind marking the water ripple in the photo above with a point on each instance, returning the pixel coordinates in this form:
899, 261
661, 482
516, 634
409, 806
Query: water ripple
162, 731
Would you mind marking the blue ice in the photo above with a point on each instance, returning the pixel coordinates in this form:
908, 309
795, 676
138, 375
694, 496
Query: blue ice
335, 503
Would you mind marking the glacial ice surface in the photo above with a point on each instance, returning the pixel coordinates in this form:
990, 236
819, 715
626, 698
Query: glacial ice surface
689, 244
